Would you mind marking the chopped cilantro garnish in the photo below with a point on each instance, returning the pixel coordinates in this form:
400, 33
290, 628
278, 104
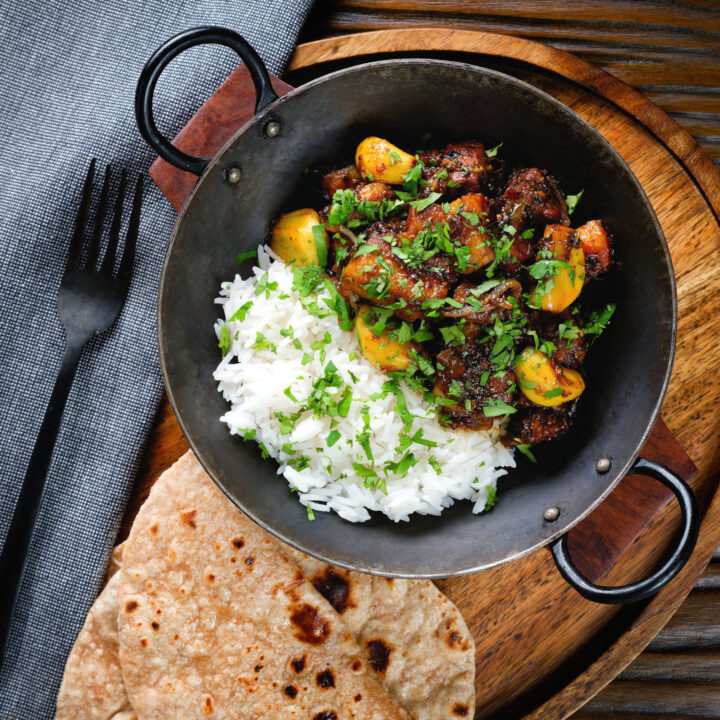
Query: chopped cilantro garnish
241, 257
288, 391
401, 406
365, 249
402, 466
452, 335
343, 407
412, 177
572, 201
491, 498
525, 450
247, 433
318, 232
484, 287
262, 343
471, 217
264, 285
599, 320
332, 438
426, 202
225, 343
241, 313
306, 278
492, 152
368, 474
310, 513
497, 407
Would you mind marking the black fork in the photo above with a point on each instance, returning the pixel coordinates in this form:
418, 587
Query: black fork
91, 295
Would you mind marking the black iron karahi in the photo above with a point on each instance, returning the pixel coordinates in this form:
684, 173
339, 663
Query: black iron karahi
260, 173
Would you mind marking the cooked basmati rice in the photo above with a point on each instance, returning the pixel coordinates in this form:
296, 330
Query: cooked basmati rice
353, 464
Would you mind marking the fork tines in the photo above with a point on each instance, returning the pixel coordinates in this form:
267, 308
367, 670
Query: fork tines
92, 248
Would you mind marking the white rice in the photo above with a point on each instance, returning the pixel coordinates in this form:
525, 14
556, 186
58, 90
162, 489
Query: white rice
254, 381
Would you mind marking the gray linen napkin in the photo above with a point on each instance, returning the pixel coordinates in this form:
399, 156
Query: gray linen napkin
67, 79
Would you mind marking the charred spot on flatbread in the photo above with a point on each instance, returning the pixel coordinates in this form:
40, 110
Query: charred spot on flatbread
290, 691
325, 679
455, 641
325, 715
311, 626
379, 655
298, 664
334, 586
460, 710
131, 606
238, 542
188, 517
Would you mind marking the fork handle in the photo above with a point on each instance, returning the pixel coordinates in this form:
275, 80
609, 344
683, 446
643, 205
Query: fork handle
13, 558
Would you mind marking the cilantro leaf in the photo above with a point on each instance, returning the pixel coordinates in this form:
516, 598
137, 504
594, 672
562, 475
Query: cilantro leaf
318, 232
365, 249
241, 257
412, 177
491, 498
241, 313
497, 407
525, 450
225, 343
599, 320
452, 335
572, 201
420, 205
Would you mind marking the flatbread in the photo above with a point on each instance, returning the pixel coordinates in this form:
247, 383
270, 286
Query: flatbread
217, 621
414, 637
92, 686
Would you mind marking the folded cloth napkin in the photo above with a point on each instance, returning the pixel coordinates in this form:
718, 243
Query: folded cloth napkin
68, 72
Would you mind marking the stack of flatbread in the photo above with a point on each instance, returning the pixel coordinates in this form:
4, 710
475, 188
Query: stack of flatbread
207, 616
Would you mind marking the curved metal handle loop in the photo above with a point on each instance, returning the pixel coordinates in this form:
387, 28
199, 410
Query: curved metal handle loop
264, 93
672, 566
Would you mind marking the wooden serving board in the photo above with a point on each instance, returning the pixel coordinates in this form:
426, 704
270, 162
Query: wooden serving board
541, 649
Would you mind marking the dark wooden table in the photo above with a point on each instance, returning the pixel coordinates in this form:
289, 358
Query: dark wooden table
670, 51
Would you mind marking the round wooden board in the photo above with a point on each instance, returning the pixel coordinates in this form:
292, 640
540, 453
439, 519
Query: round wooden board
684, 188
559, 649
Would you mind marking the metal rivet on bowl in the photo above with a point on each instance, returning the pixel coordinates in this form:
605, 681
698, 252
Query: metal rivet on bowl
551, 514
272, 129
603, 465
234, 175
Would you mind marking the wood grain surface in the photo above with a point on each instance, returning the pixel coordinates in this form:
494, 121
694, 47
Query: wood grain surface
669, 51
596, 641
